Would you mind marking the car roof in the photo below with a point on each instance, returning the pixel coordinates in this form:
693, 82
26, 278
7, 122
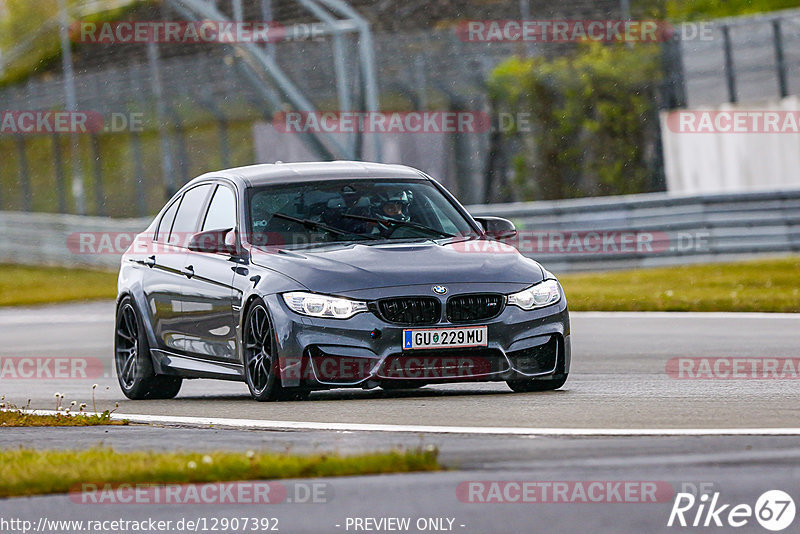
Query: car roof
278, 173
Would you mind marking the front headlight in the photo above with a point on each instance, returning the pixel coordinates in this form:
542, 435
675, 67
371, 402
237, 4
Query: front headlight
324, 306
542, 294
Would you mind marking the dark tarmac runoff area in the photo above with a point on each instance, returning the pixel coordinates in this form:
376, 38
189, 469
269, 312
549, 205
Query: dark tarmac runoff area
620, 419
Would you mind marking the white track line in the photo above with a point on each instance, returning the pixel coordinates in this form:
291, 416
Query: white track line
256, 424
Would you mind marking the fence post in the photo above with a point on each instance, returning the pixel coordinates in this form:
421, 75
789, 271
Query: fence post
72, 105
138, 174
496, 164
99, 196
674, 94
780, 60
167, 166
730, 75
222, 127
266, 15
421, 80
525, 14
58, 163
135, 81
24, 174
180, 142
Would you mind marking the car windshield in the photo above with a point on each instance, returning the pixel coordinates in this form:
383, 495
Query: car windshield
309, 213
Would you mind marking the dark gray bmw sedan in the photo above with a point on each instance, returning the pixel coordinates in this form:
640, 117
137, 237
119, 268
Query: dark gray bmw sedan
300, 277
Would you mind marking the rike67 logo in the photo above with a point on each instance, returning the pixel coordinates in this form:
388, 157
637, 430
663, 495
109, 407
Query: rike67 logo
774, 510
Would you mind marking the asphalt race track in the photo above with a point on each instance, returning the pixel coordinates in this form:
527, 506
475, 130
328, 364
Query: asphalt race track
618, 378
618, 384
740, 469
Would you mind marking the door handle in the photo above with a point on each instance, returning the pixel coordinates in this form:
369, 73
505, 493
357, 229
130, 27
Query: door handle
188, 271
241, 271
149, 262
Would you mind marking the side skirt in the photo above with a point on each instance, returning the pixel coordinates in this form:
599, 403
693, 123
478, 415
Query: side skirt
168, 363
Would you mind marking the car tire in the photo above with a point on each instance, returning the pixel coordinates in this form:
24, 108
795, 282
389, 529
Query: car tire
135, 373
261, 371
528, 386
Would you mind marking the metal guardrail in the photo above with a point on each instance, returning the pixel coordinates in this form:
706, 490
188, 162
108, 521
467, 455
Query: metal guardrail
54, 239
567, 235
672, 229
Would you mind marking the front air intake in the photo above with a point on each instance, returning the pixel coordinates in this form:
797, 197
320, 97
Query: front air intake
471, 308
411, 311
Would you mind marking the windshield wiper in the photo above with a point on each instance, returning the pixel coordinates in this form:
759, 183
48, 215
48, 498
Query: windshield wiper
308, 223
398, 223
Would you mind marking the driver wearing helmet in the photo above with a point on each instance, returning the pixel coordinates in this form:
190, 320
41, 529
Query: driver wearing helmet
395, 206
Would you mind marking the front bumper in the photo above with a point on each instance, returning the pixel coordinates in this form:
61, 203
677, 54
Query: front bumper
366, 351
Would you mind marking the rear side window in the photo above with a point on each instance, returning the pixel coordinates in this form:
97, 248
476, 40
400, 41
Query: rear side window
188, 217
164, 227
222, 211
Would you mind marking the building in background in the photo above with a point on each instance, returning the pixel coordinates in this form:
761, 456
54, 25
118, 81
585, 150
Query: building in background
739, 74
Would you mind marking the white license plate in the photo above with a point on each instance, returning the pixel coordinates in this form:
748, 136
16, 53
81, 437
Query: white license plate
445, 338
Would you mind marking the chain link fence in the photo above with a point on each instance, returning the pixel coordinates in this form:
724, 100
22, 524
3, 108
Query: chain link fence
741, 59
210, 106
170, 118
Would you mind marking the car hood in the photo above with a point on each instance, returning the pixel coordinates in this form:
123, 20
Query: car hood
342, 268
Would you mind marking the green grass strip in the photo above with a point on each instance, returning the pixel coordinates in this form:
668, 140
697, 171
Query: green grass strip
754, 286
38, 472
22, 285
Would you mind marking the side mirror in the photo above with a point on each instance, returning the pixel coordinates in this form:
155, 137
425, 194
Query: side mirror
213, 242
497, 228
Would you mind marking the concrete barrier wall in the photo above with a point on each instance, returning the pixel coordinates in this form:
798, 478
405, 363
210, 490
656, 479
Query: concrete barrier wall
705, 158
569, 235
